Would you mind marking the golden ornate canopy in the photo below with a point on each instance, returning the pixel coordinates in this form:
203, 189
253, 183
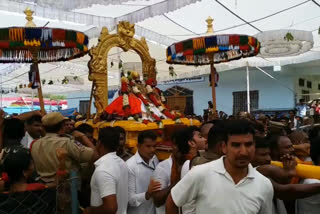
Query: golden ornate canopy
98, 64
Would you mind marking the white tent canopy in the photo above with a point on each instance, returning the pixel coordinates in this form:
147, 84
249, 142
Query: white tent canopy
162, 22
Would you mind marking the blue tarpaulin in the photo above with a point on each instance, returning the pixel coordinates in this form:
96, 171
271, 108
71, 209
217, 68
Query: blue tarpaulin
68, 112
23, 109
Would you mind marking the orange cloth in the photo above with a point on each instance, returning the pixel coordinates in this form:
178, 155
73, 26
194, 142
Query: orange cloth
116, 107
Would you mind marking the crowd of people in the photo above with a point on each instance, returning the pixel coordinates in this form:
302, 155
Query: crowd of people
224, 166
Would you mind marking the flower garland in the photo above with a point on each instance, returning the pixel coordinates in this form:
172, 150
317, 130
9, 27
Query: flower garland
224, 48
134, 76
54, 44
125, 96
150, 86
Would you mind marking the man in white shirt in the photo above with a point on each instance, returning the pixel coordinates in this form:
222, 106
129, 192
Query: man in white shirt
311, 205
34, 130
229, 184
109, 182
301, 108
141, 167
168, 172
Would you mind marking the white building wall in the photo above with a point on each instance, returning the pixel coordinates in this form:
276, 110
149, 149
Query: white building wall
272, 95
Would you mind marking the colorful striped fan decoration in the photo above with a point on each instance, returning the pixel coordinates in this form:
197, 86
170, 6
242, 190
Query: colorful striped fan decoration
52, 44
220, 48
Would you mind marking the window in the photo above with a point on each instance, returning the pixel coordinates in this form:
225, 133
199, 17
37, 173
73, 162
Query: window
309, 84
318, 86
240, 101
83, 106
301, 82
305, 95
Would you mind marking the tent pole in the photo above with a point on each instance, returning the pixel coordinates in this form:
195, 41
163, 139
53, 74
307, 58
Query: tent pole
90, 101
248, 89
213, 86
34, 52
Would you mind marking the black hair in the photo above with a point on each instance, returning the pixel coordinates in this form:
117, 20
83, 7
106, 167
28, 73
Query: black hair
182, 137
301, 100
284, 118
109, 138
314, 132
13, 129
293, 111
217, 134
32, 119
85, 128
262, 143
193, 129
120, 130
315, 150
55, 128
15, 162
258, 126
239, 127
146, 135
273, 142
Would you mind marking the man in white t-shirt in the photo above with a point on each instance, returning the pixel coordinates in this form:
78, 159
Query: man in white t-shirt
301, 108
34, 130
109, 182
311, 205
141, 167
229, 184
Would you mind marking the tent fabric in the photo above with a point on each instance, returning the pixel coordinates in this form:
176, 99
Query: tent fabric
100, 21
161, 29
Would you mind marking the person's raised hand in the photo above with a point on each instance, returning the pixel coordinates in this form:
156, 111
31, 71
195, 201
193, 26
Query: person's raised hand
302, 150
77, 135
154, 186
289, 162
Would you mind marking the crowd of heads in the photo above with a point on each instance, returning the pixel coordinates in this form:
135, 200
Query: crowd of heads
241, 139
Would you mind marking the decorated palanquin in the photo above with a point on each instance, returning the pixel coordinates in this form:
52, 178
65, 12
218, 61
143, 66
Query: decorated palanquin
140, 105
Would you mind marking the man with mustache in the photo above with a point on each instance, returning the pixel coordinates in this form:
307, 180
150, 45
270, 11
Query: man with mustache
231, 177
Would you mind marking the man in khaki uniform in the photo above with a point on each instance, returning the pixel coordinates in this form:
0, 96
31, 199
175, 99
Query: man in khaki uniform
43, 151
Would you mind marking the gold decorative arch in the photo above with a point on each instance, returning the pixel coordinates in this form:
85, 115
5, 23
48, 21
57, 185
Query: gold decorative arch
98, 64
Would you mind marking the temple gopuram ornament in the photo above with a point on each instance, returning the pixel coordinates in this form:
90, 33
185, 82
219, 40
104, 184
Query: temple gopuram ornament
98, 69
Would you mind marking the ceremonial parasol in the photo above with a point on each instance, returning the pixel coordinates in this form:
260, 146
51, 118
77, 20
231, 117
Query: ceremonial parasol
35, 45
211, 49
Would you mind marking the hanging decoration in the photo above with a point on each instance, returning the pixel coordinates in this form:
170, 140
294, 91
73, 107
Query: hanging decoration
172, 73
282, 43
34, 77
223, 48
65, 81
120, 64
288, 37
216, 79
53, 44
